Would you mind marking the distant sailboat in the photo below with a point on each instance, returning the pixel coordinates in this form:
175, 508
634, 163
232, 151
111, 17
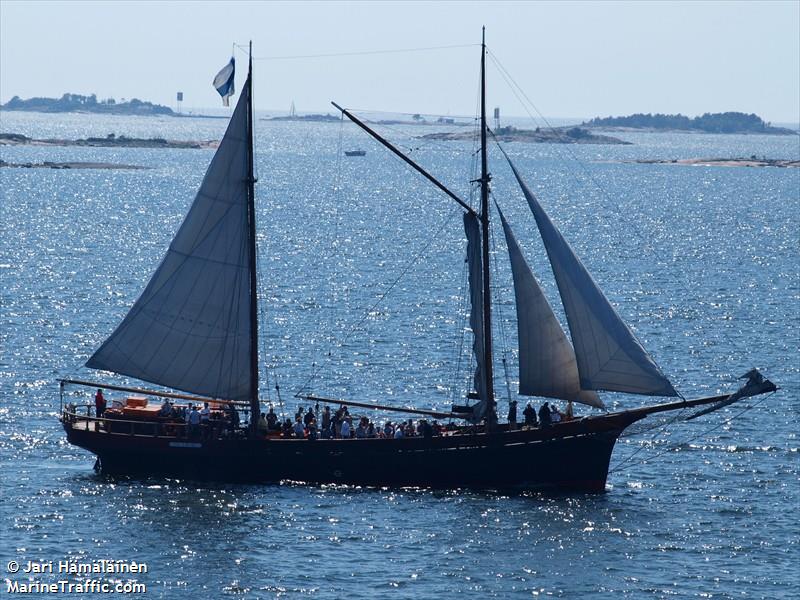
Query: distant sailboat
195, 328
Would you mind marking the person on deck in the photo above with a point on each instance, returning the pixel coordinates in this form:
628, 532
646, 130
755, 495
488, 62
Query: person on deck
205, 420
336, 424
398, 432
299, 428
194, 422
555, 414
99, 403
261, 425
425, 430
361, 430
544, 415
326, 418
272, 420
512, 414
309, 416
345, 430
231, 418
166, 409
187, 413
530, 415
570, 414
235, 420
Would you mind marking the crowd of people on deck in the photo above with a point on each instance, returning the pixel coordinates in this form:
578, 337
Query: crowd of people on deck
202, 421
196, 421
310, 425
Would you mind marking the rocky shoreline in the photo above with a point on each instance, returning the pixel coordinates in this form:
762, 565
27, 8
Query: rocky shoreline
557, 135
71, 165
110, 141
717, 162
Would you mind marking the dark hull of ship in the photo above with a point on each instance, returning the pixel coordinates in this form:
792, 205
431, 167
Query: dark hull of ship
569, 457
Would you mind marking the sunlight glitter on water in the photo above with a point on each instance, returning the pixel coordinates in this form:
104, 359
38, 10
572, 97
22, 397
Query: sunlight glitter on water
702, 261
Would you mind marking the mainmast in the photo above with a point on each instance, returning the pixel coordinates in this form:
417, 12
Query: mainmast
487, 298
255, 407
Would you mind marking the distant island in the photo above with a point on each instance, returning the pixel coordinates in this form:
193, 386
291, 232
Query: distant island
727, 122
555, 135
753, 161
78, 103
70, 165
329, 118
310, 118
110, 141
420, 120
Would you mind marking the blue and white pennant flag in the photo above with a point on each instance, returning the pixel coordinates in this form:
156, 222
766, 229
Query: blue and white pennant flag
224, 81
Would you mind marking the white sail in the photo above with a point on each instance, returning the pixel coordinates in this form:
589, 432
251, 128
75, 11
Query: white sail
547, 365
190, 328
609, 356
472, 229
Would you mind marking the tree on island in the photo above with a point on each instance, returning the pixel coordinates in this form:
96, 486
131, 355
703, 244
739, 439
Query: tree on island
727, 122
77, 102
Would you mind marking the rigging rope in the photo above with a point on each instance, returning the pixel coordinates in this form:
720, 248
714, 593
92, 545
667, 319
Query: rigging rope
262, 291
504, 345
455, 386
381, 297
333, 277
518, 91
662, 427
522, 97
357, 52
422, 252
671, 448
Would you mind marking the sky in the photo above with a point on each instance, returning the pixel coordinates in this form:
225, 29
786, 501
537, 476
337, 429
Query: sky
571, 59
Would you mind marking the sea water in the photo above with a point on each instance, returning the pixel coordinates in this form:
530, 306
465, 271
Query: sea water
362, 277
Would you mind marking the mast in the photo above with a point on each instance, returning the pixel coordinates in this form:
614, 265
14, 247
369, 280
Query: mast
255, 407
487, 298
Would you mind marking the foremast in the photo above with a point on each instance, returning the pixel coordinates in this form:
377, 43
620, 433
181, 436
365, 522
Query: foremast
255, 407
485, 178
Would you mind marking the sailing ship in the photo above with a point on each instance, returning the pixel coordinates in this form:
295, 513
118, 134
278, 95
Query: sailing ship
194, 329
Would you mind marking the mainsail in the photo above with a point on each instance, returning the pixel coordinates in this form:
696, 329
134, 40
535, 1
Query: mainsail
191, 327
609, 356
472, 229
547, 365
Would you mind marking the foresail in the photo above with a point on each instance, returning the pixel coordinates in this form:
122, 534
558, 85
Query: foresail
609, 356
190, 328
472, 229
547, 365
